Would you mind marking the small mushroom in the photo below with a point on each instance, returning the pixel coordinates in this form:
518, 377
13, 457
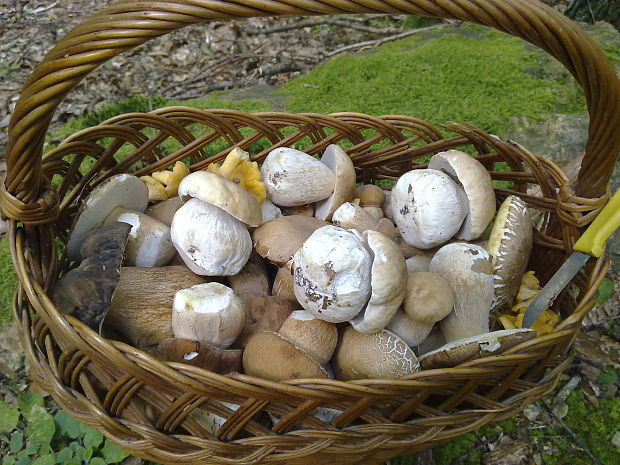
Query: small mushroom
332, 274
218, 191
469, 272
263, 313
141, 311
303, 210
429, 299
278, 239
352, 216
388, 284
164, 211
340, 163
476, 181
270, 356
149, 241
418, 262
210, 241
428, 207
316, 337
123, 190
387, 205
199, 354
294, 178
510, 246
284, 286
482, 345
370, 195
378, 355
210, 313
253, 279
86, 292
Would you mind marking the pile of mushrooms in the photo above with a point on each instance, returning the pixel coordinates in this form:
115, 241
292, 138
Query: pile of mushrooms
290, 270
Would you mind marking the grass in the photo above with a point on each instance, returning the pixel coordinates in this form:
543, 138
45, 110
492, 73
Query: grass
8, 282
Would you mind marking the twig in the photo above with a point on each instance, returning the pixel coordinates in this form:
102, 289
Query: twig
280, 68
287, 27
383, 40
361, 27
572, 434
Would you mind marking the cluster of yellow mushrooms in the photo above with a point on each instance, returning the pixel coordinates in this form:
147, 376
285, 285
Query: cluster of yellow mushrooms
291, 270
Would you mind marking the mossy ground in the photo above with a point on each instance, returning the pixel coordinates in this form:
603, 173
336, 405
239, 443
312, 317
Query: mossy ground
466, 74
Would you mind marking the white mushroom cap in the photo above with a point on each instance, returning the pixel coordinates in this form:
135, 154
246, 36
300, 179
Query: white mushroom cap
428, 207
419, 262
217, 190
210, 241
410, 331
149, 241
468, 270
478, 186
510, 246
342, 166
332, 274
122, 190
316, 337
377, 355
209, 313
388, 283
294, 178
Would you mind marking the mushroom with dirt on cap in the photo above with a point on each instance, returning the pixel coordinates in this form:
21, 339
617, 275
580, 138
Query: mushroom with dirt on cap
342, 166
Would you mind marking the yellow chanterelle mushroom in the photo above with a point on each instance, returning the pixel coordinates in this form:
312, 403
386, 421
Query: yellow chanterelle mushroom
238, 168
163, 185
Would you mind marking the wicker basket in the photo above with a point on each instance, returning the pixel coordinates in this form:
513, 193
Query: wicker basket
146, 405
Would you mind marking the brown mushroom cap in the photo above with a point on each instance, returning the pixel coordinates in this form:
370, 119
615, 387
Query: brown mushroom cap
268, 355
378, 355
284, 286
429, 297
278, 240
303, 210
510, 246
316, 337
460, 351
199, 354
253, 279
263, 313
370, 195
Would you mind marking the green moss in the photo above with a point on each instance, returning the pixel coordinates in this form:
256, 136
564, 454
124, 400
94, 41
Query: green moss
467, 74
8, 282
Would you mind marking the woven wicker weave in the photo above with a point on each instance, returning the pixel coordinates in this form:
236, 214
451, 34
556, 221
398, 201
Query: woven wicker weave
147, 406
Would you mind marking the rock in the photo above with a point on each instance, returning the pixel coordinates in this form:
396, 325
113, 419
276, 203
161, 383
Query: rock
509, 452
12, 356
616, 439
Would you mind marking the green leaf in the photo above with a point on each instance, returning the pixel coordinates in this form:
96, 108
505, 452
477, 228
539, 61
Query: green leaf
16, 442
112, 453
9, 417
26, 400
66, 426
32, 449
45, 450
607, 377
25, 460
97, 461
45, 460
41, 426
604, 291
65, 454
92, 438
9, 461
74, 445
79, 453
88, 453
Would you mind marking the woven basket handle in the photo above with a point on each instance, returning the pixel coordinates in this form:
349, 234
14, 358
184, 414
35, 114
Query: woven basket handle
127, 24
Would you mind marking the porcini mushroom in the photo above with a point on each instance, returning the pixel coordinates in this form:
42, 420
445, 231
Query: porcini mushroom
388, 283
164, 211
142, 312
263, 313
270, 356
253, 279
316, 337
86, 292
428, 207
149, 241
210, 241
377, 355
122, 190
410, 331
293, 178
457, 352
270, 211
332, 274
199, 354
340, 163
468, 270
277, 240
210, 313
223, 193
510, 246
284, 286
476, 181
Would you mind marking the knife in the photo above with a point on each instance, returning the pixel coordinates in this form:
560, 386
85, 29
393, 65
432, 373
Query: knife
591, 243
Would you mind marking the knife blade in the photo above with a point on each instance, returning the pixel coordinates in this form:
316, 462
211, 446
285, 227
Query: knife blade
591, 243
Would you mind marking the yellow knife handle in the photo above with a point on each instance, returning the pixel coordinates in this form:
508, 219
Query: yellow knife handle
607, 221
